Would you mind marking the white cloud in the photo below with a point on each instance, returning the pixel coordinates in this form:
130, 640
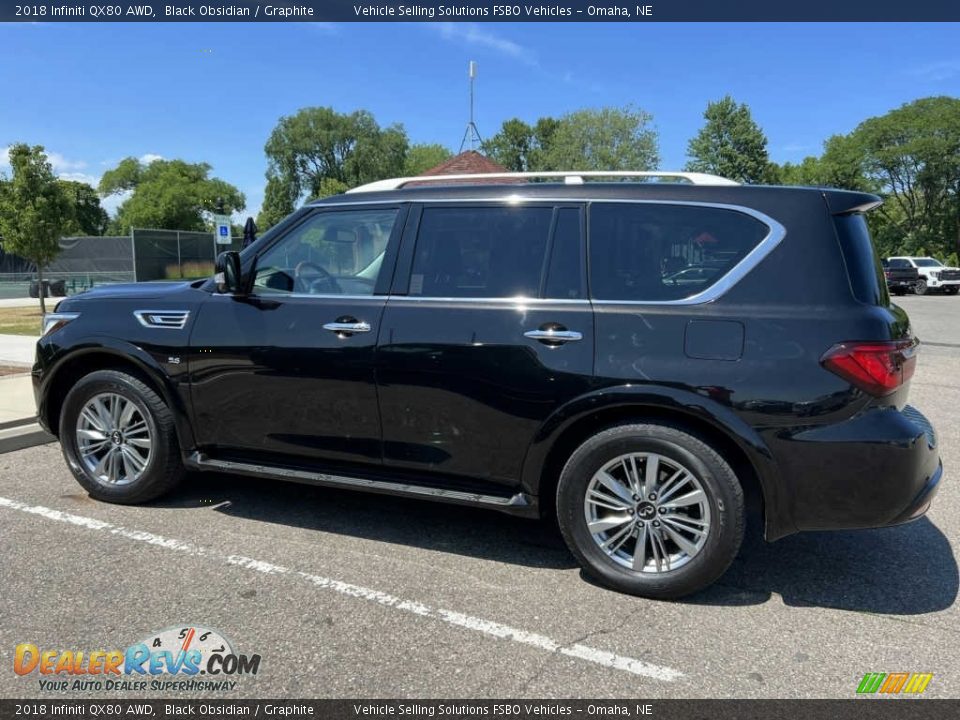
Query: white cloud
937, 71
148, 158
112, 202
92, 180
61, 165
473, 34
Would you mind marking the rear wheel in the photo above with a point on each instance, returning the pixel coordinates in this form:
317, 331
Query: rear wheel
118, 438
650, 510
921, 287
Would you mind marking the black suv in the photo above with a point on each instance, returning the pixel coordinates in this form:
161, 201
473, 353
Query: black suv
639, 360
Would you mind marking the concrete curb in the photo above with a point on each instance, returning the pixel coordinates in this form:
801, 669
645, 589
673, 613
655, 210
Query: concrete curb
21, 434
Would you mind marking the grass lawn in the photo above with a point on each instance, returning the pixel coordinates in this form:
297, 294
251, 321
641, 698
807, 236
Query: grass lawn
20, 321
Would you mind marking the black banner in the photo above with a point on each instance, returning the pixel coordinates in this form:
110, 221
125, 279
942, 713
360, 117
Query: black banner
480, 11
878, 709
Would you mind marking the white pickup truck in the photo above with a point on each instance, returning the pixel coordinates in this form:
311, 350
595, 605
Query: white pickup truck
934, 275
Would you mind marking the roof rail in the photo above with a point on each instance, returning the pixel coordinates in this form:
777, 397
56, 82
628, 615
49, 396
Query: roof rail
570, 177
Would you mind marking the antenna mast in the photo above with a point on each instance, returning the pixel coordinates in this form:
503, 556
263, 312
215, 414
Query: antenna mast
472, 135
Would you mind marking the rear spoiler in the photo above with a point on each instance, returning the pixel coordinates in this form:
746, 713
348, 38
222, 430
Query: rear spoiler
846, 202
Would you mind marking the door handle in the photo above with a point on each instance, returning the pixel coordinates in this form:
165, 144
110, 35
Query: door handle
554, 336
347, 328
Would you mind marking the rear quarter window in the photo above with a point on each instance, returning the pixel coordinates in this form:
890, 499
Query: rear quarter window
650, 252
863, 263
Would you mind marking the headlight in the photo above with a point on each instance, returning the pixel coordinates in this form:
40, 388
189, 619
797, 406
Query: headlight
935, 274
56, 320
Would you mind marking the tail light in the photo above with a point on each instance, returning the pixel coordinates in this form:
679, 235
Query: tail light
877, 368
887, 274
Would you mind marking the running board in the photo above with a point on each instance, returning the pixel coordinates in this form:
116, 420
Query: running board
518, 504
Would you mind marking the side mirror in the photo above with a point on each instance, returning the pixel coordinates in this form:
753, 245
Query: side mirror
228, 276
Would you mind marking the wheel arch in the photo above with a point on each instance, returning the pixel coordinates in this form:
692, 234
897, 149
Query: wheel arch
123, 357
717, 425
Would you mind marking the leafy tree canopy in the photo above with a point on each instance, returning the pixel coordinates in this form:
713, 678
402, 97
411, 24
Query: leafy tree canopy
167, 194
590, 139
86, 217
33, 208
318, 144
601, 139
423, 157
730, 144
911, 157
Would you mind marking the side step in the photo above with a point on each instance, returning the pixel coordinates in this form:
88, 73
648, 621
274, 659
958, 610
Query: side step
518, 504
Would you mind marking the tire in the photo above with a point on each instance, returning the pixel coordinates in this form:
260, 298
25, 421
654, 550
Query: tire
146, 431
722, 507
921, 287
951, 290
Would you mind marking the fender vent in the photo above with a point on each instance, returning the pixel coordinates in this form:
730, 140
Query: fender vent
170, 319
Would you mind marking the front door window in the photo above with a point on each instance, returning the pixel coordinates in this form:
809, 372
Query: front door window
331, 253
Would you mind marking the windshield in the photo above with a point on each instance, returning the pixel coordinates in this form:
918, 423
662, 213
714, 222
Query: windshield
927, 262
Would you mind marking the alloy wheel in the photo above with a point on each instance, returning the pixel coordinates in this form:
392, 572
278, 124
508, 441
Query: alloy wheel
647, 512
113, 439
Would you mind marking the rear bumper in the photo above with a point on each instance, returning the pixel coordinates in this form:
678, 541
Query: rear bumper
901, 284
877, 469
921, 503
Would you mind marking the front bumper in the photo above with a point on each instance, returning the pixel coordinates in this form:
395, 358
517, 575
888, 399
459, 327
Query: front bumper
877, 469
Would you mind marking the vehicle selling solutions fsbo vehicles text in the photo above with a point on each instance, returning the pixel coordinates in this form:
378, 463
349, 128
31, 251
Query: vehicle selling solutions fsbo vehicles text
502, 11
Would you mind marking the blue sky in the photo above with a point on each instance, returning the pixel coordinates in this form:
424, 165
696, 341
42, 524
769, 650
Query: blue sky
95, 93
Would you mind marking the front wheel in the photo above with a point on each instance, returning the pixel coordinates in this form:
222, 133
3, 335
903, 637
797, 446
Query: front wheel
921, 287
118, 438
651, 510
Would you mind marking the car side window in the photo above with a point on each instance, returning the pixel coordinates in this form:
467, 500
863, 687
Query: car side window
655, 252
483, 252
330, 253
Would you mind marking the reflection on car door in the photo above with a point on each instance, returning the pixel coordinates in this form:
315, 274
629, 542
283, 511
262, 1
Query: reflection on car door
488, 333
286, 374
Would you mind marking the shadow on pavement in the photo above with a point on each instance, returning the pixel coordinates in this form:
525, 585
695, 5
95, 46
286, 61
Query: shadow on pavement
416, 523
905, 570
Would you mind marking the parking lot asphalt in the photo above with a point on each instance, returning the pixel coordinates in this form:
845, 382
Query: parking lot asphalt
352, 595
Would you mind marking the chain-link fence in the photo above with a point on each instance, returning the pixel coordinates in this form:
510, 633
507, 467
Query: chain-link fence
144, 255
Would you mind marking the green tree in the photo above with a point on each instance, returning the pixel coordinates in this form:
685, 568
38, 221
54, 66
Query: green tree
423, 157
512, 145
912, 156
167, 194
318, 144
730, 144
86, 217
277, 203
598, 139
33, 209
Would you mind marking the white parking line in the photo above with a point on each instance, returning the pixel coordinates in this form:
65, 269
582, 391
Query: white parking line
485, 627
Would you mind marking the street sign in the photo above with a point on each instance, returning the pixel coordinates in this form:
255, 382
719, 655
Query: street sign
221, 232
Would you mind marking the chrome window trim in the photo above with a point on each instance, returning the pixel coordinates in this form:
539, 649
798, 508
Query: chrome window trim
279, 295
418, 299
775, 235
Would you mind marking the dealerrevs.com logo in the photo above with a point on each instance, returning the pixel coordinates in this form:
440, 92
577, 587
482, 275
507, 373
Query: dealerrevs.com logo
173, 659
